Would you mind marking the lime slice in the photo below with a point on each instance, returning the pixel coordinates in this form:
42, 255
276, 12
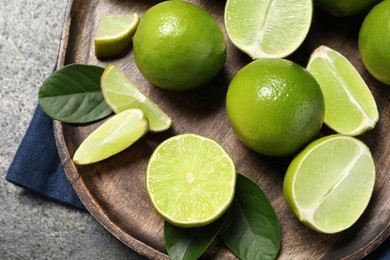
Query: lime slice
114, 34
268, 28
190, 180
112, 137
350, 107
329, 184
120, 93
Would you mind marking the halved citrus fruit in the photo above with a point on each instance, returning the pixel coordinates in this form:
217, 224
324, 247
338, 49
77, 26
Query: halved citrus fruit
190, 180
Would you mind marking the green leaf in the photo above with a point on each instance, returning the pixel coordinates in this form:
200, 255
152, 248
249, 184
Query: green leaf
251, 229
73, 95
190, 243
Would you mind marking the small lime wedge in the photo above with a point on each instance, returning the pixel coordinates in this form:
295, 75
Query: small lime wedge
114, 34
120, 93
268, 28
113, 136
190, 180
350, 107
329, 184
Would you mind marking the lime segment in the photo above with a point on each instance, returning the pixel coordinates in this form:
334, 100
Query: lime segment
344, 90
112, 137
120, 93
268, 28
329, 184
114, 34
190, 180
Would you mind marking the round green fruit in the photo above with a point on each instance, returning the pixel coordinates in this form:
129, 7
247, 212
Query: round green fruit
374, 42
275, 106
179, 46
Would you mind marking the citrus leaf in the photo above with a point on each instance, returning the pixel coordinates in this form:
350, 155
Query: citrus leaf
251, 229
190, 243
73, 95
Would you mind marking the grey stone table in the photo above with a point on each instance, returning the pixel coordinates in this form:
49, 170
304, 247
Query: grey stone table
31, 226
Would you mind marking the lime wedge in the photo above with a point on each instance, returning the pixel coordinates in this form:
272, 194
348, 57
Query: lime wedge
268, 28
329, 184
190, 180
120, 93
114, 34
350, 108
112, 137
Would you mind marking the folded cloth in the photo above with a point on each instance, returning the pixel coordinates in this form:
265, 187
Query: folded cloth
37, 166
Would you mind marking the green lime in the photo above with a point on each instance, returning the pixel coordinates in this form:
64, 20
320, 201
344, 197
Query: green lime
190, 180
275, 106
344, 90
266, 28
114, 34
343, 7
329, 184
374, 42
113, 136
120, 93
179, 46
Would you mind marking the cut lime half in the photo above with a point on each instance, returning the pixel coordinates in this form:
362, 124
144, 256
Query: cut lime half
120, 93
350, 107
114, 34
113, 136
329, 184
268, 28
190, 180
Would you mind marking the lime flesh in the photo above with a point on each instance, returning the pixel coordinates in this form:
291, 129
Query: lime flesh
268, 28
344, 90
329, 184
190, 180
120, 93
114, 34
112, 137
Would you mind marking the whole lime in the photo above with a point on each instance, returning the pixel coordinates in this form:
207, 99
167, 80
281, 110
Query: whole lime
178, 46
374, 42
343, 7
275, 106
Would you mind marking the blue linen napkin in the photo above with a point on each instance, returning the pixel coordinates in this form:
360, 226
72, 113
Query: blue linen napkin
37, 166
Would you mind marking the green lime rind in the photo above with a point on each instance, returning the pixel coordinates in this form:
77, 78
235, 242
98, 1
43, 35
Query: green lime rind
268, 29
120, 93
114, 34
350, 107
113, 136
190, 180
329, 184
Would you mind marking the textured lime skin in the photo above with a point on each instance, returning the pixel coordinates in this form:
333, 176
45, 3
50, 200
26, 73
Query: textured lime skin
179, 46
343, 7
374, 42
275, 106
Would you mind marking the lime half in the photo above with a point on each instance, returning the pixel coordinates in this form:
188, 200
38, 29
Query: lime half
114, 34
112, 137
329, 184
268, 28
190, 180
350, 107
120, 93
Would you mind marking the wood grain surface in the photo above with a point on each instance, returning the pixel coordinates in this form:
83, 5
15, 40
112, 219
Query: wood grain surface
114, 192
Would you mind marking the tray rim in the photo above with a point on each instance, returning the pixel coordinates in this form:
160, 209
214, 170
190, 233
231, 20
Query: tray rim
93, 208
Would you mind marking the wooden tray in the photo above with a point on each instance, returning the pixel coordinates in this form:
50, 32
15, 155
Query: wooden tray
114, 192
